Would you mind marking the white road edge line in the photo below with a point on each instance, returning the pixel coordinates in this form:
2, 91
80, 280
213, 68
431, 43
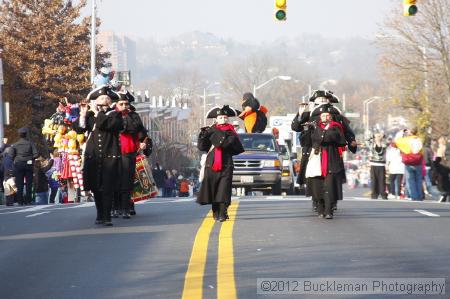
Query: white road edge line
37, 214
427, 213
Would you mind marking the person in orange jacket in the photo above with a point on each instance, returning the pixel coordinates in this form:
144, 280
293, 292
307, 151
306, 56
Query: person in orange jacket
253, 114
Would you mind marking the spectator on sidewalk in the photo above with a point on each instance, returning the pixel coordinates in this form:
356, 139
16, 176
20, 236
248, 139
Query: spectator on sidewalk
159, 176
52, 176
7, 170
40, 181
25, 153
184, 187
396, 170
411, 149
441, 170
377, 167
170, 184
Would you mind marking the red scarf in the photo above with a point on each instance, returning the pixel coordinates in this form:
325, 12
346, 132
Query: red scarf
128, 143
217, 165
324, 161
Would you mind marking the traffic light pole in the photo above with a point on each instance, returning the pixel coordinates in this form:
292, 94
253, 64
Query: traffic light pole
2, 132
93, 36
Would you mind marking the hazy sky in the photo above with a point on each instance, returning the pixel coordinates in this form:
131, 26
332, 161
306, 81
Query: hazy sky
244, 20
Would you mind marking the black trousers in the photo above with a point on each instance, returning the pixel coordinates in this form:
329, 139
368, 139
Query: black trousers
378, 181
23, 171
326, 192
103, 204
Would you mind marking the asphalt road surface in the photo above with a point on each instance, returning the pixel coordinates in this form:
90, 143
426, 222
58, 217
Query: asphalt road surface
173, 249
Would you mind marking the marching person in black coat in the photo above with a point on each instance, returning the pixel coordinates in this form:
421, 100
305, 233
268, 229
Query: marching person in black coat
302, 123
222, 143
133, 138
102, 153
328, 139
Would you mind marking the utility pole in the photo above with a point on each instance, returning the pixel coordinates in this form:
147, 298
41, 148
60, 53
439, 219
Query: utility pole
2, 132
93, 37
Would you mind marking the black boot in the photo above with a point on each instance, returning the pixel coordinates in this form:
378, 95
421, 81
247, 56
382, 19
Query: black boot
223, 213
215, 211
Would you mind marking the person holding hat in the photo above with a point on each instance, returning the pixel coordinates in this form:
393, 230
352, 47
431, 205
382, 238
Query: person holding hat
328, 140
253, 114
221, 143
102, 153
24, 154
133, 138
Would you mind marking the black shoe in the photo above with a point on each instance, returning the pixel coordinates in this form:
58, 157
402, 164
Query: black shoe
334, 208
226, 215
126, 216
133, 212
222, 219
99, 221
107, 223
216, 215
329, 216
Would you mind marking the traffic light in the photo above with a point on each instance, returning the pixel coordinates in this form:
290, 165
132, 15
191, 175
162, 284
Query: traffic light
280, 10
409, 8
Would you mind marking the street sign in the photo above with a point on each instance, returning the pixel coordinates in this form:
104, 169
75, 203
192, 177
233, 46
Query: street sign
352, 114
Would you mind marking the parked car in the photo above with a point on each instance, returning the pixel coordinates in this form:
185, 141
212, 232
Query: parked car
287, 172
260, 166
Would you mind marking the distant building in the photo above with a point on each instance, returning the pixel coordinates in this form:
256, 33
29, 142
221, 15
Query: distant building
122, 49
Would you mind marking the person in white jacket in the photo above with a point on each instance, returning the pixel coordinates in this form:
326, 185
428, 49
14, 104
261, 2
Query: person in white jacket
396, 170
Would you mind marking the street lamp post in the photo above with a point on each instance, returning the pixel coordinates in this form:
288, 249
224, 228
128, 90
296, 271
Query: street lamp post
255, 88
366, 104
2, 133
204, 100
93, 36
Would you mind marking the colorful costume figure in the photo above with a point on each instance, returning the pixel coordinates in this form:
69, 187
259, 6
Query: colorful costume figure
253, 114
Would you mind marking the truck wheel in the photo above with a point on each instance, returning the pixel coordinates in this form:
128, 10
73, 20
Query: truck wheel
276, 189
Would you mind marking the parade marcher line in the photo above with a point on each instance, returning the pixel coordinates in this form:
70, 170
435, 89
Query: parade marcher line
193, 282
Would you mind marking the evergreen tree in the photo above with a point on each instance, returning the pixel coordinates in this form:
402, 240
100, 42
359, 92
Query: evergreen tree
46, 53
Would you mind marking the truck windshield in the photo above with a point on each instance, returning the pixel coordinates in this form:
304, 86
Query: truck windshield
256, 142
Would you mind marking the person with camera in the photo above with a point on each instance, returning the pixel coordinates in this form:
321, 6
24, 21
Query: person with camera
377, 158
102, 153
221, 143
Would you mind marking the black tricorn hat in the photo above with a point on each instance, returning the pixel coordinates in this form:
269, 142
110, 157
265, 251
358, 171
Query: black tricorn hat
125, 96
225, 110
103, 90
324, 94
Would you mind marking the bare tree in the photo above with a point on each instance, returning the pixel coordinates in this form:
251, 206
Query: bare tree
416, 62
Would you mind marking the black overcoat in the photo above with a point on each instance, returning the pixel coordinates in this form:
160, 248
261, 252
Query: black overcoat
132, 125
329, 140
216, 186
102, 154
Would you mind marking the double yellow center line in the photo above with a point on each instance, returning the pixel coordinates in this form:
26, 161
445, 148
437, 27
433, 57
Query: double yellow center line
193, 281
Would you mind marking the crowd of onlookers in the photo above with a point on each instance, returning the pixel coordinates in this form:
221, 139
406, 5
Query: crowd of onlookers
171, 183
406, 167
27, 177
